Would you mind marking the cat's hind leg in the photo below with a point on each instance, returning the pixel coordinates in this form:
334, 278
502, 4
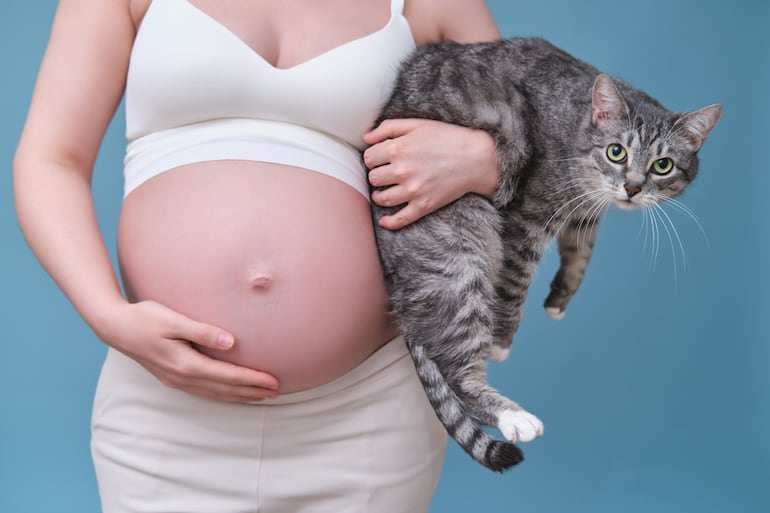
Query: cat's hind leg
441, 275
491, 408
519, 425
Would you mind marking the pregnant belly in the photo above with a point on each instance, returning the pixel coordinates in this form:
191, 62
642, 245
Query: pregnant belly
282, 258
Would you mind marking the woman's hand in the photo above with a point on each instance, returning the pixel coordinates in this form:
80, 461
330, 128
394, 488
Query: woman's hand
426, 165
161, 340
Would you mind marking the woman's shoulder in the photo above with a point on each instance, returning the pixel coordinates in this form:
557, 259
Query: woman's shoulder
464, 21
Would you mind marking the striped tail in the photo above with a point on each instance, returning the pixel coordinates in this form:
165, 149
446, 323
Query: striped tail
467, 431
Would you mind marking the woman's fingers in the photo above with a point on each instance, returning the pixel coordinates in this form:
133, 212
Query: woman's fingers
391, 129
190, 371
233, 375
405, 216
163, 341
202, 334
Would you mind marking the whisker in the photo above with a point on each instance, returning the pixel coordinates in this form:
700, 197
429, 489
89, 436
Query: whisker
676, 234
653, 238
655, 235
656, 210
578, 159
589, 199
589, 220
689, 213
643, 228
579, 198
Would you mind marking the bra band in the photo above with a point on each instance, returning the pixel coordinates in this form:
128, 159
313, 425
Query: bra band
243, 139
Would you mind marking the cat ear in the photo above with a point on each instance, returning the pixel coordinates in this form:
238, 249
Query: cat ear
696, 126
606, 102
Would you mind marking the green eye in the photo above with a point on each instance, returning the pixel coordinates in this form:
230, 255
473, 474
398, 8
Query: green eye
616, 153
663, 166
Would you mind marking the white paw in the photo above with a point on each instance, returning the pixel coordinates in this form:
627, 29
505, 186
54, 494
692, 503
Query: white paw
498, 354
519, 426
555, 313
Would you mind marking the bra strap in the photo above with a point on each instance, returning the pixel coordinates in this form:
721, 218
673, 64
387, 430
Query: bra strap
397, 7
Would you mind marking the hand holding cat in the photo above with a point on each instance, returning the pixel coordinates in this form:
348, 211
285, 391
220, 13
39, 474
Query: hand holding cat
427, 165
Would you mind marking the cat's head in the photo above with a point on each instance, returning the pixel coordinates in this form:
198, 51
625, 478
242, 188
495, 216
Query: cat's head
644, 154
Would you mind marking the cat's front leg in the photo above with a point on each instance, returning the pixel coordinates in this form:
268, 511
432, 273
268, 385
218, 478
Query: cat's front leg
508, 315
521, 253
576, 245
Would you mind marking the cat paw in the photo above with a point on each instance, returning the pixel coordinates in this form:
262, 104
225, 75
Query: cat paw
555, 313
519, 426
498, 354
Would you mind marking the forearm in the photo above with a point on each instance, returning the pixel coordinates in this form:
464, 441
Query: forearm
56, 213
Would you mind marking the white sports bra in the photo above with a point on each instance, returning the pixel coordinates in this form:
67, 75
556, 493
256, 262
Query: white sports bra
196, 92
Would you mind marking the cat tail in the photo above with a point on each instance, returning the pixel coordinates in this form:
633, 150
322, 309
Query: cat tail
465, 429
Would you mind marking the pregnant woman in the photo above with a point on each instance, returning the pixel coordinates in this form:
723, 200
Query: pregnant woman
252, 364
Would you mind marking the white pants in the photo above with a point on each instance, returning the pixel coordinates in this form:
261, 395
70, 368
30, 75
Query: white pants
366, 442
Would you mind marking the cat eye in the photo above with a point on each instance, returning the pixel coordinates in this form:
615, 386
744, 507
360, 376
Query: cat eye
662, 166
616, 153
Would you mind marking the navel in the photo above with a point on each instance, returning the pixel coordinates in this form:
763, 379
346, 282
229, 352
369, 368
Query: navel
261, 281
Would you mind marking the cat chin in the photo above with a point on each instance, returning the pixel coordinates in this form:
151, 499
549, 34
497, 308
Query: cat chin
626, 204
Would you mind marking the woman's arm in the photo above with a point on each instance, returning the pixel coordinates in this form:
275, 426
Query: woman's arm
428, 164
462, 21
79, 86
77, 91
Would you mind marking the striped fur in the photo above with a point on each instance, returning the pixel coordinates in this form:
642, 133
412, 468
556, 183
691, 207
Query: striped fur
457, 278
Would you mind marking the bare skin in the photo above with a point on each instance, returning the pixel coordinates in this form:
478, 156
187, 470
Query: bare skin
79, 87
298, 284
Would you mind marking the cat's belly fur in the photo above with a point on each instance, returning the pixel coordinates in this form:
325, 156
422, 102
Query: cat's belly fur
283, 258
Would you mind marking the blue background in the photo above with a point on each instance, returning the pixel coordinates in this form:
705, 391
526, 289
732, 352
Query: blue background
654, 389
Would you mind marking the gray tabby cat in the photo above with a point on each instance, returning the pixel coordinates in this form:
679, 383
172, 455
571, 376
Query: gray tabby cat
571, 143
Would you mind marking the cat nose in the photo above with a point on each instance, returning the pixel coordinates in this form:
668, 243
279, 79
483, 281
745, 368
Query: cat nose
632, 190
